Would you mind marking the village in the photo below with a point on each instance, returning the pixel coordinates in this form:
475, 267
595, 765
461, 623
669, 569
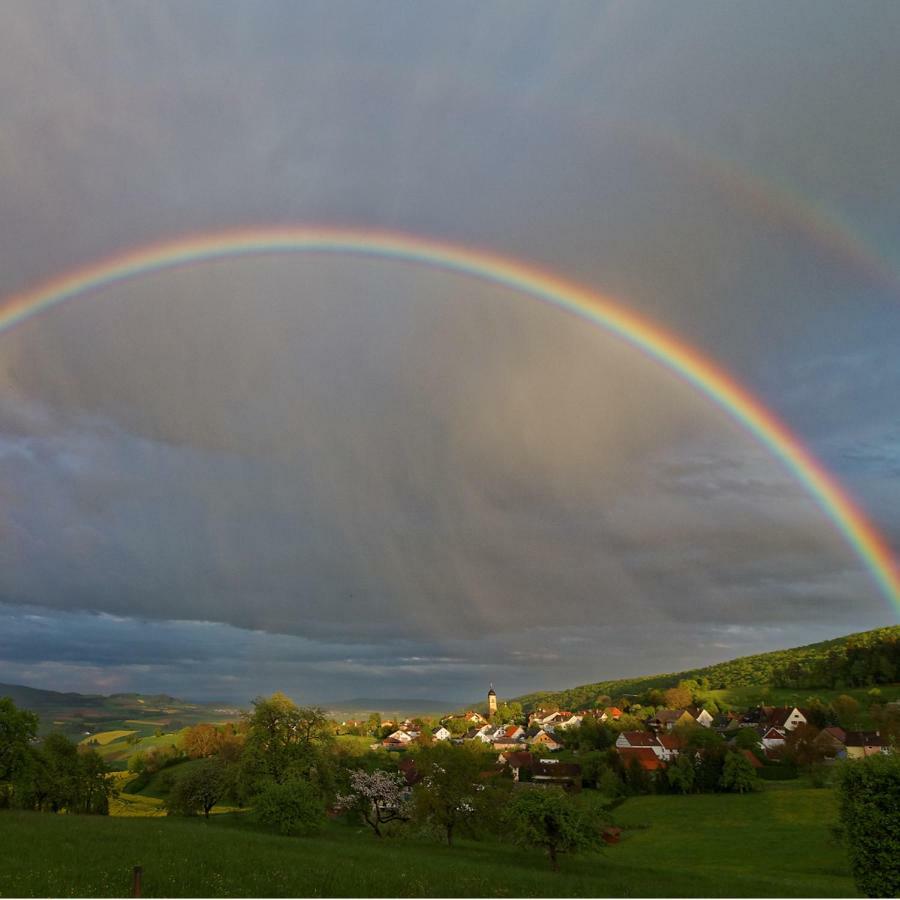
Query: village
542, 745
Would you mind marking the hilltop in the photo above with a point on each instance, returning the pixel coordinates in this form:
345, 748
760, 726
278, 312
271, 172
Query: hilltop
81, 714
855, 660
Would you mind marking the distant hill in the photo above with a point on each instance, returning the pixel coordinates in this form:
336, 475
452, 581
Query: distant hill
865, 658
401, 706
80, 714
37, 699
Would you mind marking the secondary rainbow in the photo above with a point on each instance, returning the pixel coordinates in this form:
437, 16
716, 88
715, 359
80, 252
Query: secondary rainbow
691, 365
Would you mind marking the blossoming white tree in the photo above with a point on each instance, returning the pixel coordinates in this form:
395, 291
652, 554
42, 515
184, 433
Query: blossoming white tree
377, 796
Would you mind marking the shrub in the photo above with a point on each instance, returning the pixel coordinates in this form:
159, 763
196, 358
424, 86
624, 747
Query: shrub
295, 807
869, 793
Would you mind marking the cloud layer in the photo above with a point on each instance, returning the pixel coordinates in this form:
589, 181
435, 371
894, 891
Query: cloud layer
374, 474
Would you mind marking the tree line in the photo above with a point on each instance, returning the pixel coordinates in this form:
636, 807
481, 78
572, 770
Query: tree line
54, 775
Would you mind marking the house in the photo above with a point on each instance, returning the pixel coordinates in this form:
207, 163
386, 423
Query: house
645, 757
508, 737
641, 740
547, 740
612, 712
831, 740
517, 761
700, 715
549, 717
785, 717
572, 722
399, 739
667, 719
470, 717
440, 733
672, 745
553, 772
861, 744
772, 738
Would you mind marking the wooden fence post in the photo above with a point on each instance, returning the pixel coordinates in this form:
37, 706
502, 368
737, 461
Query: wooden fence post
136, 881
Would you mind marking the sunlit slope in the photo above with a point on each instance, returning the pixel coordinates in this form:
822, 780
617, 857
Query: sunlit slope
827, 665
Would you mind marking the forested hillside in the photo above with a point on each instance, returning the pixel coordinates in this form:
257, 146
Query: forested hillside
857, 660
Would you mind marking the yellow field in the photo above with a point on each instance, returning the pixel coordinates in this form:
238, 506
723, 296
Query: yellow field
106, 737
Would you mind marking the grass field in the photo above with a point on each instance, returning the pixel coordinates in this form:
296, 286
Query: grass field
106, 737
116, 750
772, 844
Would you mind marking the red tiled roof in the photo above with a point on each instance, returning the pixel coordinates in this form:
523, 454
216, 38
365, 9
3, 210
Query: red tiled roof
670, 741
644, 755
641, 738
519, 759
753, 759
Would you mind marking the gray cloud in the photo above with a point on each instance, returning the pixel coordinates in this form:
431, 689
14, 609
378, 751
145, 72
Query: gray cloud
348, 454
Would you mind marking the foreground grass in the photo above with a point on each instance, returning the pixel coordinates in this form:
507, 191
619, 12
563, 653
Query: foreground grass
772, 844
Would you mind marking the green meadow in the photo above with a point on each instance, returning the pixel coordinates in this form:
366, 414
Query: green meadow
776, 843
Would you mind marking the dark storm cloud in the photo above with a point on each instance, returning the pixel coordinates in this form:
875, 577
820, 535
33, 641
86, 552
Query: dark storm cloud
322, 455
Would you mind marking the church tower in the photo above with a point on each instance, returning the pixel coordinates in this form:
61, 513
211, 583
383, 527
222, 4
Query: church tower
492, 701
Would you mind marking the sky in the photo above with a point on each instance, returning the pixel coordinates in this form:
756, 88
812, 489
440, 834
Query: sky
343, 477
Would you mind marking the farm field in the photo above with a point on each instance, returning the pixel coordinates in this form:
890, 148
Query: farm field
775, 843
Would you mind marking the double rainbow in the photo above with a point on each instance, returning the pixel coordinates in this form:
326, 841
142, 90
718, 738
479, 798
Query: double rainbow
687, 362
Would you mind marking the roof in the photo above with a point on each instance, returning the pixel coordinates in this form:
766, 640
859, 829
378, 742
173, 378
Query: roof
836, 732
753, 759
670, 741
518, 759
862, 739
670, 715
511, 730
644, 755
780, 714
557, 770
641, 738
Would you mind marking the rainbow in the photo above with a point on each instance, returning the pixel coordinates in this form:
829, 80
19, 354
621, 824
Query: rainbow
678, 356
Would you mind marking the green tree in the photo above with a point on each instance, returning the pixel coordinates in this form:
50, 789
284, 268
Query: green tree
549, 820
869, 798
846, 708
678, 697
450, 792
18, 728
509, 712
748, 739
373, 724
738, 774
198, 789
802, 748
681, 773
295, 807
284, 742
